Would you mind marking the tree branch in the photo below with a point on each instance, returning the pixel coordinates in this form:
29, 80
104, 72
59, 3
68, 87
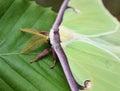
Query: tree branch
55, 42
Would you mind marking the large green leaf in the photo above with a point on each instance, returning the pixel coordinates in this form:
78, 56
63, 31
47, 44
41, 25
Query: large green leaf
16, 72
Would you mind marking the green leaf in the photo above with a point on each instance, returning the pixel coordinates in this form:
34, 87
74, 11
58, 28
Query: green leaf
16, 72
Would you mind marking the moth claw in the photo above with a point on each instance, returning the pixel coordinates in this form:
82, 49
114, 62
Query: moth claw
31, 61
51, 67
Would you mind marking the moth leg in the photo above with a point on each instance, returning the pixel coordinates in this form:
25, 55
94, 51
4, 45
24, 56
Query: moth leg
41, 55
54, 57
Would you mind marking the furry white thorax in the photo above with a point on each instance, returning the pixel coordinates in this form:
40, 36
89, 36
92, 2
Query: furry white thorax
51, 36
